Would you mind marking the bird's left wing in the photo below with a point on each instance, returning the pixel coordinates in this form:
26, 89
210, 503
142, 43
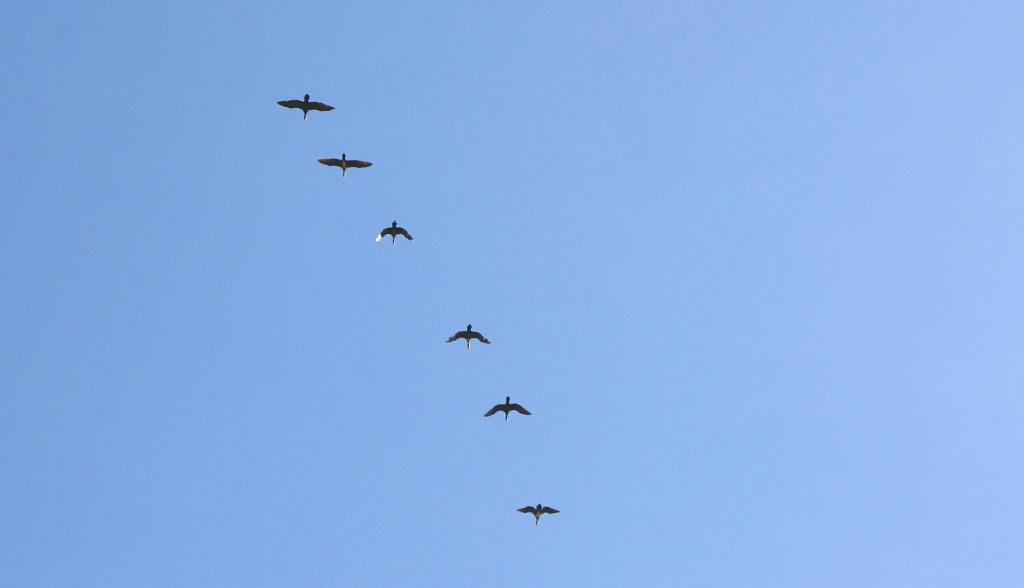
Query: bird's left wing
330, 161
320, 106
496, 408
357, 163
529, 509
291, 103
404, 233
548, 510
519, 408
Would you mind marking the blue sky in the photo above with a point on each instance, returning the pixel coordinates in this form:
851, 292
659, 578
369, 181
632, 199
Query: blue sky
754, 267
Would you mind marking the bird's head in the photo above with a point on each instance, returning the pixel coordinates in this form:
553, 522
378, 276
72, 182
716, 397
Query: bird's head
394, 224
508, 399
305, 98
539, 506
469, 327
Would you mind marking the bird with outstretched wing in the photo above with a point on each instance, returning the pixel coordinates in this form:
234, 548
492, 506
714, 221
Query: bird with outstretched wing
469, 335
305, 105
537, 511
344, 163
393, 231
506, 408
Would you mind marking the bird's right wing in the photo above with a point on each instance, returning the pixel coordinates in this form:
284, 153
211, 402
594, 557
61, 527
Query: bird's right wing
496, 408
456, 336
404, 233
330, 161
357, 163
291, 103
529, 509
548, 510
481, 338
320, 106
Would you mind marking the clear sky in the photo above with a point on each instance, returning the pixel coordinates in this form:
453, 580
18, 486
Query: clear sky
756, 268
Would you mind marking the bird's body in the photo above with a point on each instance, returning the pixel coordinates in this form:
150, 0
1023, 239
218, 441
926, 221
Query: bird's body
469, 334
505, 408
538, 510
394, 231
344, 163
305, 105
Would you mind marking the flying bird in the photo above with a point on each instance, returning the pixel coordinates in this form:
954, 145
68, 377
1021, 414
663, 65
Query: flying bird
305, 105
538, 510
393, 231
344, 163
469, 334
505, 408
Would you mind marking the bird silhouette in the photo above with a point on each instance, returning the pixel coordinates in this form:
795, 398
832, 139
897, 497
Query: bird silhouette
305, 105
505, 408
393, 231
469, 334
344, 163
538, 510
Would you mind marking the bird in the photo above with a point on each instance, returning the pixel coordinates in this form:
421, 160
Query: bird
344, 163
538, 510
393, 231
469, 334
505, 408
305, 105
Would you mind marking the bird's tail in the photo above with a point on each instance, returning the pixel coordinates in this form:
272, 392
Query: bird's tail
304, 114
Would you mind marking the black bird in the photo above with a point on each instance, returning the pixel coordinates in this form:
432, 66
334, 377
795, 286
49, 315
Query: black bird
505, 408
393, 231
344, 163
469, 334
538, 510
305, 105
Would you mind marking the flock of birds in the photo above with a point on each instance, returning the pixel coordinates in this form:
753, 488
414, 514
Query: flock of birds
395, 231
